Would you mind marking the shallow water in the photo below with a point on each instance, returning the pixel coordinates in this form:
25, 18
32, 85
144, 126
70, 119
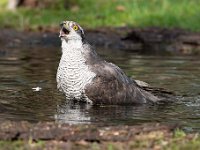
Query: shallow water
28, 68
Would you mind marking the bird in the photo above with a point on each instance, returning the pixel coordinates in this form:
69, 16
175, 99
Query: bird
83, 76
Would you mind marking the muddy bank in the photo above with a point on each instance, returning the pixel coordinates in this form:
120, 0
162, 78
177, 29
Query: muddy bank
64, 136
143, 41
65, 132
23, 135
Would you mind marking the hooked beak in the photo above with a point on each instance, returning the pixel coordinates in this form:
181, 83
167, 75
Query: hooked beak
64, 31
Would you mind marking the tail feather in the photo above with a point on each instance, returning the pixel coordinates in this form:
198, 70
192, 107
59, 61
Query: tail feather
163, 96
153, 94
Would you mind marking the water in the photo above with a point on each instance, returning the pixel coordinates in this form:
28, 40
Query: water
21, 70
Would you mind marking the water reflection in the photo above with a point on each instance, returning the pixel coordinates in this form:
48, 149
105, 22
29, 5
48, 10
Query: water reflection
73, 113
24, 69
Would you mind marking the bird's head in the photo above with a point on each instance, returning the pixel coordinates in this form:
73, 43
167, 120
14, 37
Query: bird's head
71, 30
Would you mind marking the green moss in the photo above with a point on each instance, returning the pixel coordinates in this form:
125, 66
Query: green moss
3, 3
110, 147
21, 145
179, 133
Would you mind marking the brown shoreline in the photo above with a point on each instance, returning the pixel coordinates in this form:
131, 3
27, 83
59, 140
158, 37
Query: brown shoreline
10, 130
154, 41
65, 136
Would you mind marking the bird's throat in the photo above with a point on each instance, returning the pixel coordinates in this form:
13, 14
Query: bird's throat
71, 44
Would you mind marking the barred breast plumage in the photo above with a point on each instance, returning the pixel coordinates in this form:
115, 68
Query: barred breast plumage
73, 74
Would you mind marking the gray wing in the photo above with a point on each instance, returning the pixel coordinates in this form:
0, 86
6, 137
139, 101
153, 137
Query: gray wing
111, 85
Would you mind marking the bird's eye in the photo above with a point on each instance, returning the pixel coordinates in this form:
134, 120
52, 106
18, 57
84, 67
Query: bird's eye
75, 27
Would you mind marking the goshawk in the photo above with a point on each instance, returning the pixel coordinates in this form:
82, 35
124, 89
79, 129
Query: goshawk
83, 76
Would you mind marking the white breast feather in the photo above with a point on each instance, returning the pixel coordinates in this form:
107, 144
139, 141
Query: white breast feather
73, 74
